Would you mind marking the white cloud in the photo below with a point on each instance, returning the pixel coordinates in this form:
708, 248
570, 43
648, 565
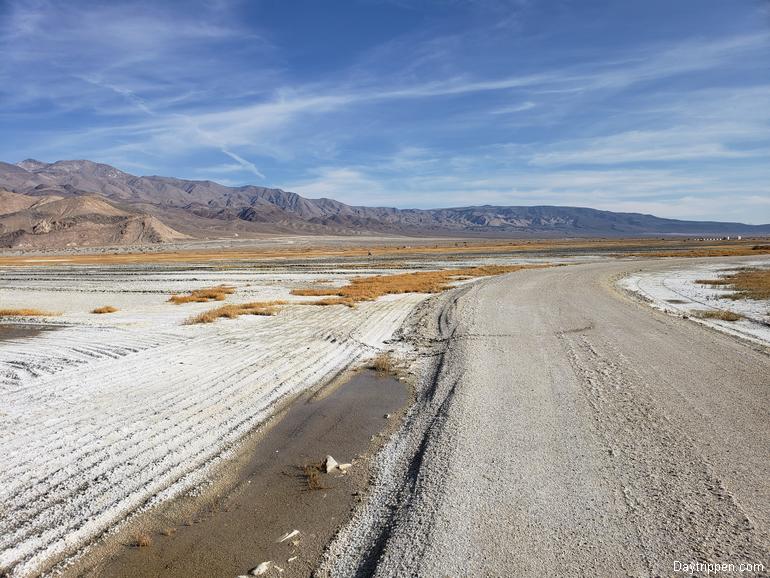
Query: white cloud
514, 108
245, 165
159, 89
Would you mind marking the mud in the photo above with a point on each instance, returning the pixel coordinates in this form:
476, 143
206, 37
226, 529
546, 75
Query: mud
232, 531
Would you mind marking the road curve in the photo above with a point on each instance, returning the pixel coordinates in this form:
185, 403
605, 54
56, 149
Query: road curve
581, 433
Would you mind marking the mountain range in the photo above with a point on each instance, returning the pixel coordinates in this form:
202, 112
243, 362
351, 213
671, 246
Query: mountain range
83, 203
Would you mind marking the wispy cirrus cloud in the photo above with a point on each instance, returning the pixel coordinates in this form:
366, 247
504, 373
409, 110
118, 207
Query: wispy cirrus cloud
474, 103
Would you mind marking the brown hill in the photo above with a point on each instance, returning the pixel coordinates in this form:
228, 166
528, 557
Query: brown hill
205, 209
38, 222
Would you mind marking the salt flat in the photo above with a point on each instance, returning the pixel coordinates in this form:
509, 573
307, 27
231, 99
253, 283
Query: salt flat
112, 411
676, 291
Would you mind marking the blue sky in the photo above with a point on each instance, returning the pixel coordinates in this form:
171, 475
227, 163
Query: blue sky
652, 106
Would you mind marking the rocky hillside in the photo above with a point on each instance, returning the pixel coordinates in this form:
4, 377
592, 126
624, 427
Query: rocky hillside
38, 222
171, 208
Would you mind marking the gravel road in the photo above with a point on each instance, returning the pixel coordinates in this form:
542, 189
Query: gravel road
568, 430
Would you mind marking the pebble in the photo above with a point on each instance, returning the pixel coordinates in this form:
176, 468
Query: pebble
261, 569
329, 464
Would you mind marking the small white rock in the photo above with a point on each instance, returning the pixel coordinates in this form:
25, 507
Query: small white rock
343, 467
262, 568
288, 535
329, 464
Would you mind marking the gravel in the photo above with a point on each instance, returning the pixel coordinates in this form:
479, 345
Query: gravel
563, 429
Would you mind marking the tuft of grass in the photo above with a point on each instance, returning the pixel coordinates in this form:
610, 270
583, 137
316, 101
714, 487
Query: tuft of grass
27, 313
750, 284
105, 309
745, 283
720, 314
236, 310
382, 364
347, 301
217, 293
142, 540
370, 288
312, 475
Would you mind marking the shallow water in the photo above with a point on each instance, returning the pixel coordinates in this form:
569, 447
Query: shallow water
13, 331
271, 496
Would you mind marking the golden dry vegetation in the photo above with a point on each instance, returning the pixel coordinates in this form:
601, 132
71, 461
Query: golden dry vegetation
27, 313
372, 287
708, 251
332, 301
382, 364
105, 309
142, 540
745, 284
312, 475
236, 310
628, 247
217, 293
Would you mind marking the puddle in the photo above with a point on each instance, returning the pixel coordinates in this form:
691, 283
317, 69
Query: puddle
235, 531
14, 331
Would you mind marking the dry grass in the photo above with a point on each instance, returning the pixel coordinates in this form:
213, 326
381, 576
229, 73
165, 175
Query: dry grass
713, 251
27, 313
142, 540
105, 309
236, 310
629, 246
720, 314
312, 475
382, 364
333, 301
751, 284
370, 288
217, 293
746, 283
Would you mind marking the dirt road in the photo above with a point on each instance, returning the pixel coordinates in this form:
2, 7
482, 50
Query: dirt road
571, 431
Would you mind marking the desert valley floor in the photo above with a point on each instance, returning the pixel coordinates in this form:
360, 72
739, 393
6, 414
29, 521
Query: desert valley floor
105, 416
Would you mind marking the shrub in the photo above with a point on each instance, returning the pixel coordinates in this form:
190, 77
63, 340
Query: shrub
746, 283
370, 288
217, 293
312, 475
233, 311
27, 313
382, 364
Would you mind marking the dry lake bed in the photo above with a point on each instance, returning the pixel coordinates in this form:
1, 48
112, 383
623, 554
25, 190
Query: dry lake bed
141, 437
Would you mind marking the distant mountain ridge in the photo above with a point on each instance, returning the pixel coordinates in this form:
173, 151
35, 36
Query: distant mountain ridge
172, 209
